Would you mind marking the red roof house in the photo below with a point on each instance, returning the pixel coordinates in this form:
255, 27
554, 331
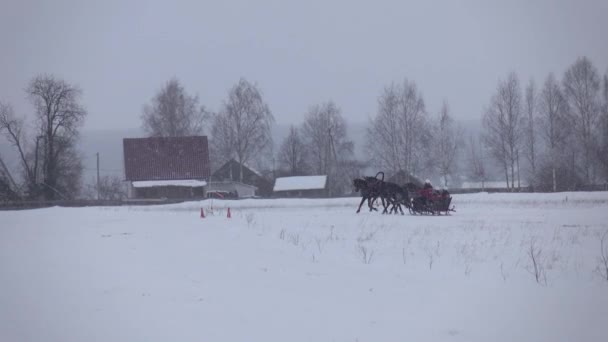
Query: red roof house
171, 167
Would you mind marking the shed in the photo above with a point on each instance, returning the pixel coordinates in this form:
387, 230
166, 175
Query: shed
229, 173
301, 186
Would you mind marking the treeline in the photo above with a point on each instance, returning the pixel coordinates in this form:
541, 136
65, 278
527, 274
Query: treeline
553, 137
557, 132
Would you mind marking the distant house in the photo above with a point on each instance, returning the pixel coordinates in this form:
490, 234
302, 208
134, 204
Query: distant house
301, 186
227, 178
166, 167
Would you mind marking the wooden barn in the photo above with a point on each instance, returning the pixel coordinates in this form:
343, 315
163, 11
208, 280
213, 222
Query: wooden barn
166, 167
301, 186
253, 184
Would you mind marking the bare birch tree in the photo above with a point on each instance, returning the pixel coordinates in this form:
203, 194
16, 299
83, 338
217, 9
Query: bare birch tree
555, 122
477, 167
398, 138
530, 150
242, 128
581, 89
502, 124
446, 143
173, 112
602, 145
292, 154
329, 149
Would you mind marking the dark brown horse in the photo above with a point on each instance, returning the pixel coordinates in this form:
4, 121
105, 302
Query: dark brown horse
368, 193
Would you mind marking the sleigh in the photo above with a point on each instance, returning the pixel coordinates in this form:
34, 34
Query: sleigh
428, 201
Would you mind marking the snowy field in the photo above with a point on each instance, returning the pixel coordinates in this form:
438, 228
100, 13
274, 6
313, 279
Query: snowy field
308, 270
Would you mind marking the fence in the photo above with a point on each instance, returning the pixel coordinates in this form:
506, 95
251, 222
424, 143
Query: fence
22, 205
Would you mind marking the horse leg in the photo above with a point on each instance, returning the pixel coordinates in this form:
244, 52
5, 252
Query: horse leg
360, 204
370, 203
395, 207
385, 205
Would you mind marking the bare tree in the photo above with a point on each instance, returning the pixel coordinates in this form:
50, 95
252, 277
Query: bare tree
8, 187
52, 167
329, 149
292, 154
601, 150
477, 168
172, 112
242, 128
555, 124
581, 89
398, 137
13, 129
531, 146
6, 191
502, 123
446, 143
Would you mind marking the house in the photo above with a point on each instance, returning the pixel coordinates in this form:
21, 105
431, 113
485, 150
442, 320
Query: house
253, 183
301, 186
166, 167
238, 189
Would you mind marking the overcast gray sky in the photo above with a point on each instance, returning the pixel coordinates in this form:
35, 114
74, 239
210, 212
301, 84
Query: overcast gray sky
299, 52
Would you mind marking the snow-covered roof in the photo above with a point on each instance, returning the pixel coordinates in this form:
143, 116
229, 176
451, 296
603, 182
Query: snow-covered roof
490, 185
300, 183
190, 183
252, 169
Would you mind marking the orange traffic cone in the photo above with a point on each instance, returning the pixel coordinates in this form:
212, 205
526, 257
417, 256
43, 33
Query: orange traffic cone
202, 213
228, 215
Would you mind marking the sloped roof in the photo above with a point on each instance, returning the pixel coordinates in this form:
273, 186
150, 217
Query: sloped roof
300, 183
166, 158
235, 164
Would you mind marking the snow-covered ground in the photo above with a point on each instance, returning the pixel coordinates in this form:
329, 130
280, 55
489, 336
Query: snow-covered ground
307, 270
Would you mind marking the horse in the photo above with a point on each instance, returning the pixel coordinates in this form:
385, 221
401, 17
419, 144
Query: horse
367, 193
395, 196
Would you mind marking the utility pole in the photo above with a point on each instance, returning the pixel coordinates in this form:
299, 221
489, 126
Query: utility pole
97, 154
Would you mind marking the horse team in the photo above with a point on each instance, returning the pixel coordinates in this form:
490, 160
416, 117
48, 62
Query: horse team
393, 197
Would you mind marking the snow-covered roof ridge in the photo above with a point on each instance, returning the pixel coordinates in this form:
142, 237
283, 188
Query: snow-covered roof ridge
252, 169
191, 183
300, 183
